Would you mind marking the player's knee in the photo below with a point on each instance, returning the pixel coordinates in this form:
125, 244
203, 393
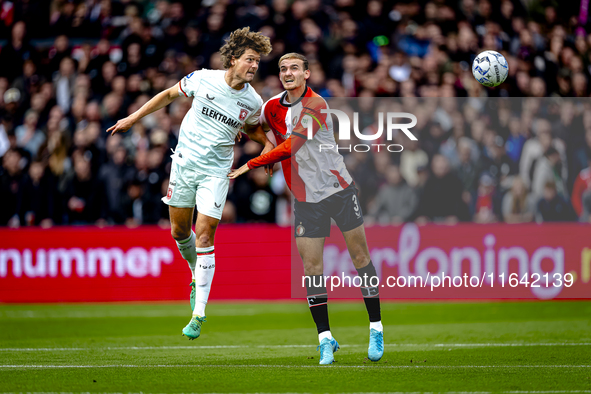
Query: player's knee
360, 259
312, 267
204, 241
179, 233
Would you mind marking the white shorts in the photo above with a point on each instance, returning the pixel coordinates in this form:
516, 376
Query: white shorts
187, 188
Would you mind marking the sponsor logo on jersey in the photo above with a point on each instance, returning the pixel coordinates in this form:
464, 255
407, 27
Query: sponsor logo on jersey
245, 106
190, 75
209, 98
243, 114
218, 206
294, 121
220, 117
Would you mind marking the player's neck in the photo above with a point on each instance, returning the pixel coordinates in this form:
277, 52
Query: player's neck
295, 94
232, 81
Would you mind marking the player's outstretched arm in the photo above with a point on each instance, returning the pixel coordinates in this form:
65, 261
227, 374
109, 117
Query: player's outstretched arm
161, 100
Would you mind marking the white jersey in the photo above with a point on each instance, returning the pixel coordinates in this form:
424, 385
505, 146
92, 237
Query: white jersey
208, 130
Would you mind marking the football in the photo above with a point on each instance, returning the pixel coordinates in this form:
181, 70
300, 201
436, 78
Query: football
490, 68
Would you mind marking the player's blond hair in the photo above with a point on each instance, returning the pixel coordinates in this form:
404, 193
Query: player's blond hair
239, 41
294, 55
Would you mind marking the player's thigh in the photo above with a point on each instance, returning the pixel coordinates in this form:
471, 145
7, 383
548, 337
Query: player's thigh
357, 246
205, 228
311, 220
181, 220
210, 199
211, 195
344, 208
180, 197
311, 250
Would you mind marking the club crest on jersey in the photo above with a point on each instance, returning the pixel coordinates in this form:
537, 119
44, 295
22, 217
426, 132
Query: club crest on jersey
169, 194
243, 114
300, 230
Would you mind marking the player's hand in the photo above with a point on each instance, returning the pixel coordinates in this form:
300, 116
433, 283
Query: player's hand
268, 169
121, 126
236, 173
238, 137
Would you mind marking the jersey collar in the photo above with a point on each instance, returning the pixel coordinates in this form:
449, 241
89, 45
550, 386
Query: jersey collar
286, 104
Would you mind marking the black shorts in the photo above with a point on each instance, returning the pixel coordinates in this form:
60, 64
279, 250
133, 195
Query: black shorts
312, 220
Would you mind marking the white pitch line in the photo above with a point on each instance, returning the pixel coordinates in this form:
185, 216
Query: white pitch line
436, 345
363, 392
288, 366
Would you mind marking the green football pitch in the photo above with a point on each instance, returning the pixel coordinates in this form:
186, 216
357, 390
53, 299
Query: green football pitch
519, 347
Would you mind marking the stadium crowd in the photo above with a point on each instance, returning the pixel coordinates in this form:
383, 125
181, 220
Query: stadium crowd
71, 68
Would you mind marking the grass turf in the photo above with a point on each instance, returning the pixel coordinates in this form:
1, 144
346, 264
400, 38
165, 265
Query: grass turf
270, 347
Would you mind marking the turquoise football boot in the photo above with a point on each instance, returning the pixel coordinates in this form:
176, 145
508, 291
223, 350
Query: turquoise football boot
376, 345
327, 349
193, 329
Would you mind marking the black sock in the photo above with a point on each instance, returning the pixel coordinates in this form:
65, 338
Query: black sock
371, 294
317, 301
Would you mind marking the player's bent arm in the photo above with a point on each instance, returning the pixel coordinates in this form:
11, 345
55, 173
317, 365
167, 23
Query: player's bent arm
283, 151
257, 134
290, 146
157, 102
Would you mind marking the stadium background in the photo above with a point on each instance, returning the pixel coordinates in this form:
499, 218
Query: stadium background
81, 219
70, 69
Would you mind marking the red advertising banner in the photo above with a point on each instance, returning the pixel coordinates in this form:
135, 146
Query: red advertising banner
71, 264
80, 264
498, 261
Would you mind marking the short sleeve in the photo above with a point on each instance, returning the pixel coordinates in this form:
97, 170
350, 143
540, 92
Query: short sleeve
189, 85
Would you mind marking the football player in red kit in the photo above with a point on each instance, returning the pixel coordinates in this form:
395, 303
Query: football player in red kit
323, 189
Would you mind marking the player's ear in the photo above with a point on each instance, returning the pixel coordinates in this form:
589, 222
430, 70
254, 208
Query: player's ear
307, 74
233, 60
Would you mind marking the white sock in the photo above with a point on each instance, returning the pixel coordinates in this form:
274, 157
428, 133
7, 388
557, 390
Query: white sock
324, 334
204, 270
187, 249
376, 325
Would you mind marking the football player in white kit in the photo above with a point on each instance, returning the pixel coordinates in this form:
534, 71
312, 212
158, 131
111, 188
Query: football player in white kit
223, 103
323, 190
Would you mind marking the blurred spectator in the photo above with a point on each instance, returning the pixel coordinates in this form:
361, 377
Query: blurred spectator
115, 174
586, 213
548, 168
11, 184
396, 200
28, 136
552, 207
441, 199
486, 207
255, 202
582, 185
16, 52
518, 205
38, 196
412, 157
85, 194
534, 149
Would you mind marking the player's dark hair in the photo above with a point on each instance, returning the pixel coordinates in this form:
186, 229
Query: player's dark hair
294, 55
239, 41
